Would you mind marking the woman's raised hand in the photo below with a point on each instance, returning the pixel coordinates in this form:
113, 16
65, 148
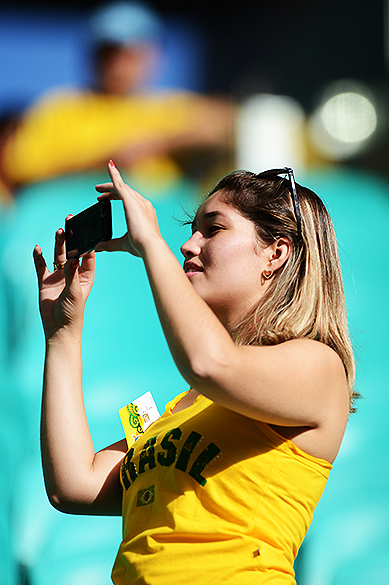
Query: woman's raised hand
140, 215
63, 293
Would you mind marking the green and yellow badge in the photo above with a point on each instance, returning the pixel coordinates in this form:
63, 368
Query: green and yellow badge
137, 416
132, 421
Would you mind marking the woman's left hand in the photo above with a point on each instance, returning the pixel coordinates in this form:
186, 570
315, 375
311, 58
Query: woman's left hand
63, 292
140, 215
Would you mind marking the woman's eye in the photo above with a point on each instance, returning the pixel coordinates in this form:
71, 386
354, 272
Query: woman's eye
214, 228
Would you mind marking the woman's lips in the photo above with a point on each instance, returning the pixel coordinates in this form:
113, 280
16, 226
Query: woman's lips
191, 268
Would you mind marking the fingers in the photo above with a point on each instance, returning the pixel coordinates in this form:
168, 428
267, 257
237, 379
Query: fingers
59, 248
113, 171
111, 190
117, 189
78, 276
88, 262
70, 271
40, 264
87, 268
116, 177
114, 245
106, 188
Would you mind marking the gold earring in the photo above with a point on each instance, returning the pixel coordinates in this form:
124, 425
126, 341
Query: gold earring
267, 274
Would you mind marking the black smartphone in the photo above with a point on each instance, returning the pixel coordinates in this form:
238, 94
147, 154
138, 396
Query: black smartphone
86, 229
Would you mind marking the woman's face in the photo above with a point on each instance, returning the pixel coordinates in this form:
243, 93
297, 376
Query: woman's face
224, 260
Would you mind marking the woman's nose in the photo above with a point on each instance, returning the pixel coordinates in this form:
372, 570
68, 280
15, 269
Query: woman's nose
191, 247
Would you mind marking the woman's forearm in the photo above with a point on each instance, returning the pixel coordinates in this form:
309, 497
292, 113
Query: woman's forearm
199, 343
77, 480
67, 447
196, 338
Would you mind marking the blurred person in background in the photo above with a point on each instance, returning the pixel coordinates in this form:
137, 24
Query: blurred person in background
151, 133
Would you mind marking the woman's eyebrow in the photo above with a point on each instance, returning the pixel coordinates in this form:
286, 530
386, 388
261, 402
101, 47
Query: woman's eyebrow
206, 216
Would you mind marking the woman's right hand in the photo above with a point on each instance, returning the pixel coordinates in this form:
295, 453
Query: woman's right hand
63, 293
141, 218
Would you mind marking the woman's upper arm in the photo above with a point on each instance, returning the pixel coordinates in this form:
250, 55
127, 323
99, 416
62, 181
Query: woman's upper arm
107, 462
295, 383
101, 494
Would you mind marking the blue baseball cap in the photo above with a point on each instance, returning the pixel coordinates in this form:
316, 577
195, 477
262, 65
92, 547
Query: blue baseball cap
126, 23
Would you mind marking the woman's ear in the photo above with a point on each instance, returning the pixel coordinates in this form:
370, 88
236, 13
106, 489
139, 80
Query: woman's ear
279, 253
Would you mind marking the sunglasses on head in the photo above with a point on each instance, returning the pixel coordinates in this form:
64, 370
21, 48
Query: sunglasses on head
289, 172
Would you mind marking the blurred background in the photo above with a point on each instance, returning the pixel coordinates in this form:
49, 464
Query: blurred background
179, 94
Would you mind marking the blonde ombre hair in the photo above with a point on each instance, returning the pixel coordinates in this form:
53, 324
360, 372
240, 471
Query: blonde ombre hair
305, 298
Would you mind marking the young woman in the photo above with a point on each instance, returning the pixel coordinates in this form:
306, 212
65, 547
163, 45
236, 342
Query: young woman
221, 488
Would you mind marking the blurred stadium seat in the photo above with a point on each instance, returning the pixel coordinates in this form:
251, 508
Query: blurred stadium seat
78, 550
12, 420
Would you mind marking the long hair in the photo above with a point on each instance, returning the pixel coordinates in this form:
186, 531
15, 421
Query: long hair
305, 298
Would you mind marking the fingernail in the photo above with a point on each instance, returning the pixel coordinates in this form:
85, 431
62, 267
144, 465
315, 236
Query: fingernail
112, 164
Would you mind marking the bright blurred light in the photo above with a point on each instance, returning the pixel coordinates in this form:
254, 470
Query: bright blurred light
344, 121
270, 133
349, 117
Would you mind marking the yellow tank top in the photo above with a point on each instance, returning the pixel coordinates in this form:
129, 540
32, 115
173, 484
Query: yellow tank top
210, 497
